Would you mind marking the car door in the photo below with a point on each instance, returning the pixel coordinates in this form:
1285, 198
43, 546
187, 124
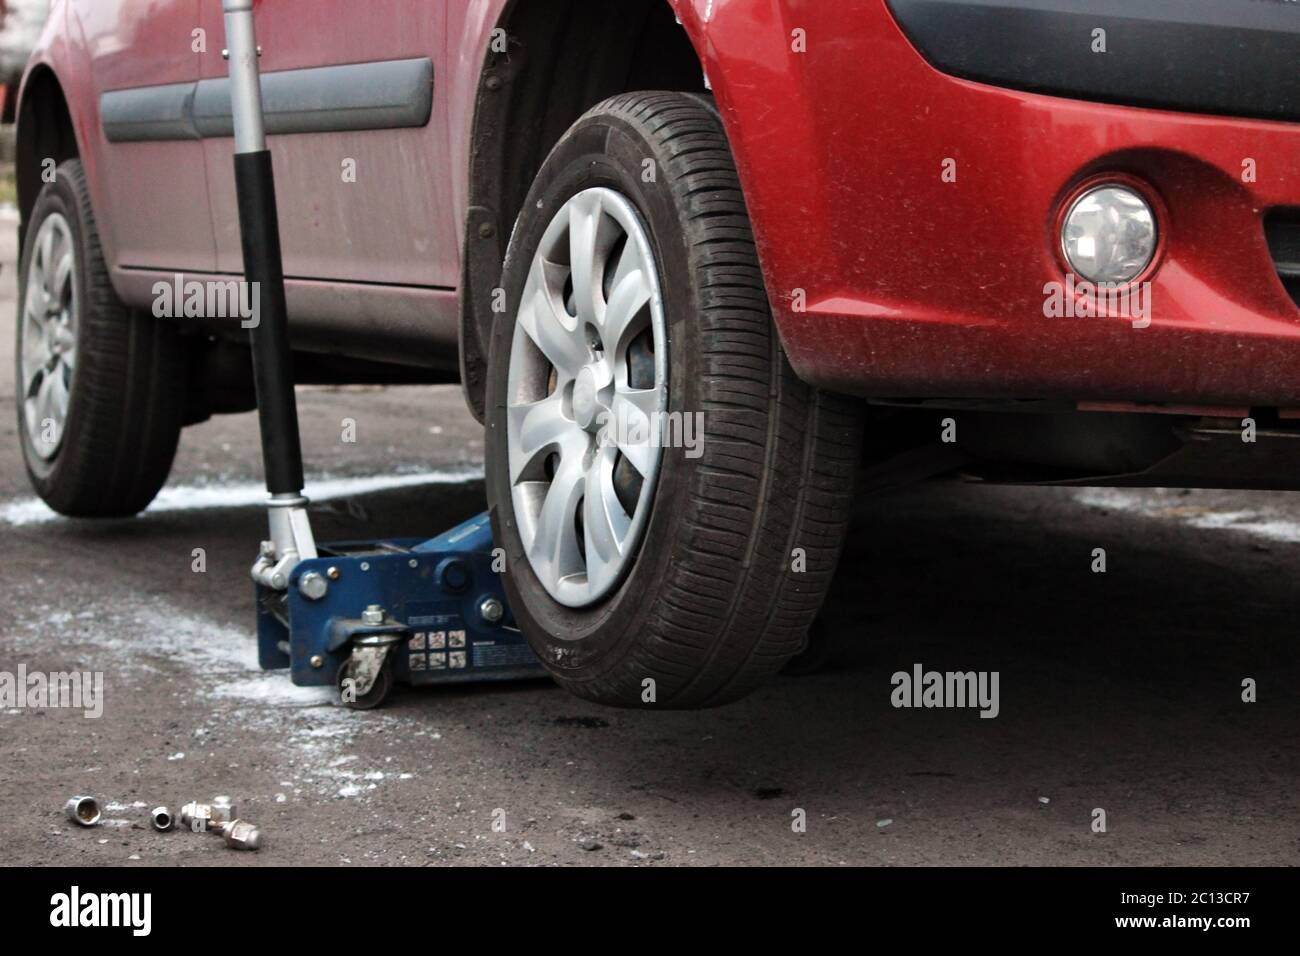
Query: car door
143, 61
357, 133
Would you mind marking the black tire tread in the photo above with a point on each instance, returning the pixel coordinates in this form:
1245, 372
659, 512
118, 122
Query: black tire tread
127, 400
779, 460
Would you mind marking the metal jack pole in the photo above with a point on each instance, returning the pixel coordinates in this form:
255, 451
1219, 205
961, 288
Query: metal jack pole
277, 410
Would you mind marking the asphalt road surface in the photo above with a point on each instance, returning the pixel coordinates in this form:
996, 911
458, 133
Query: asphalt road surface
1119, 691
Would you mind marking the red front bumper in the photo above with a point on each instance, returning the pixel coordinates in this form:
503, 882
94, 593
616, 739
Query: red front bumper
920, 287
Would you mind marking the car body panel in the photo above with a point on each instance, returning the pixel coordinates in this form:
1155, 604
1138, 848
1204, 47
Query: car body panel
1200, 56
152, 194
394, 225
913, 286
885, 279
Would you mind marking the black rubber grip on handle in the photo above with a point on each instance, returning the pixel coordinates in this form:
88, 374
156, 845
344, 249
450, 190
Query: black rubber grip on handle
277, 408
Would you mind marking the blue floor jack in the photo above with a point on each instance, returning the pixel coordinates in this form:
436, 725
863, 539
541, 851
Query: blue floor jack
357, 615
364, 614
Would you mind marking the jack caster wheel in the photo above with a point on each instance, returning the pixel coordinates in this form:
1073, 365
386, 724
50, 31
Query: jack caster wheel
372, 698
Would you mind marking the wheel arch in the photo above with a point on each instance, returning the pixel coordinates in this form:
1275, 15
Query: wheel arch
530, 90
45, 131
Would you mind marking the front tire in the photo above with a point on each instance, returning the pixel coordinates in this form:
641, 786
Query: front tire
730, 543
100, 387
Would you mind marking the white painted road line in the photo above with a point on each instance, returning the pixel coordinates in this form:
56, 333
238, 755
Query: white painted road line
1261, 524
28, 511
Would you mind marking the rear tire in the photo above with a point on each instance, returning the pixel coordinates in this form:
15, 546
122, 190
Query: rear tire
741, 542
100, 411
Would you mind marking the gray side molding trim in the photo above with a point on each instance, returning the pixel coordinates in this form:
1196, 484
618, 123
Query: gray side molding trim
392, 94
149, 113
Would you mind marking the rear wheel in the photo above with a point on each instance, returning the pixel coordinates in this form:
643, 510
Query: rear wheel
671, 498
100, 387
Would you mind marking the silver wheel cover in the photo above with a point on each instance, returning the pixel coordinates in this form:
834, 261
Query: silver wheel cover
586, 396
48, 336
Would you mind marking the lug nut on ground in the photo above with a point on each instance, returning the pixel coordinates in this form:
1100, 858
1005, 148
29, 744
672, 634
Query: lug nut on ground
161, 818
241, 835
196, 816
209, 815
220, 818
223, 810
83, 811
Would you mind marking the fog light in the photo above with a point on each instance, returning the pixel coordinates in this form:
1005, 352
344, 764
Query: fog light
1109, 235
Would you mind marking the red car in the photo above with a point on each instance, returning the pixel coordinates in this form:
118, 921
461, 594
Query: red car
679, 252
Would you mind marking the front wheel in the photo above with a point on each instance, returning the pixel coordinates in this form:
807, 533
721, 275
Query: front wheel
672, 499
